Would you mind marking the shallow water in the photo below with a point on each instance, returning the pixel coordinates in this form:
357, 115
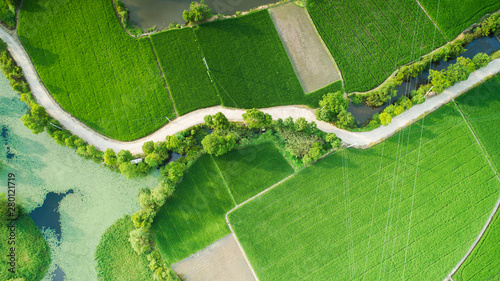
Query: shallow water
42, 167
148, 13
486, 45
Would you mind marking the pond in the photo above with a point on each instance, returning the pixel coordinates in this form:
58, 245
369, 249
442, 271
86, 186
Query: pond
487, 45
159, 13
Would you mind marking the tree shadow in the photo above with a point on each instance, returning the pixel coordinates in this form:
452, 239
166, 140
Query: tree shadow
40, 56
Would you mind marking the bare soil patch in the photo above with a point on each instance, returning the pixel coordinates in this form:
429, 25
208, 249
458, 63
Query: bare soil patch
221, 261
311, 60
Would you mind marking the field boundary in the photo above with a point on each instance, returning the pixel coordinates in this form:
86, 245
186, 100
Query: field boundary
495, 208
422, 7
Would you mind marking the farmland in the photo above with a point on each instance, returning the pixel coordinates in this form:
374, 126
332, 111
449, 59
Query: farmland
455, 16
194, 217
187, 77
116, 260
481, 106
248, 62
369, 39
352, 221
93, 69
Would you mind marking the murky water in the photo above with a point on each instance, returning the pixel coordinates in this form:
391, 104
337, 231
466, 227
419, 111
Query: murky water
148, 13
486, 45
74, 223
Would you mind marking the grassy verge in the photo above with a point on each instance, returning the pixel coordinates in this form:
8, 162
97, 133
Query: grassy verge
248, 62
182, 64
369, 39
96, 71
336, 229
32, 251
455, 16
116, 260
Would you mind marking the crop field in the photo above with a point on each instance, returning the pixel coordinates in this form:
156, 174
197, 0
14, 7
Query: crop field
194, 217
248, 170
249, 63
186, 74
371, 214
96, 71
116, 260
455, 16
481, 107
369, 39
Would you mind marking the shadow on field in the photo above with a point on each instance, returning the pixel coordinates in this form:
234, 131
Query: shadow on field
32, 6
40, 56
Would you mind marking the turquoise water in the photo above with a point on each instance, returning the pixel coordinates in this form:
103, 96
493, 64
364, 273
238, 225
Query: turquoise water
99, 197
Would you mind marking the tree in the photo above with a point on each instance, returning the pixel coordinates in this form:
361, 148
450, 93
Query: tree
148, 147
345, 120
256, 119
110, 157
124, 156
330, 106
385, 118
314, 153
173, 172
332, 139
140, 240
217, 122
217, 145
129, 170
301, 124
197, 12
480, 60
36, 121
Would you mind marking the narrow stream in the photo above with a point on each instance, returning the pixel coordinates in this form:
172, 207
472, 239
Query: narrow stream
487, 45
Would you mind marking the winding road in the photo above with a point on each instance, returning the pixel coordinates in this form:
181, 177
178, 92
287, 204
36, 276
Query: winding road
356, 139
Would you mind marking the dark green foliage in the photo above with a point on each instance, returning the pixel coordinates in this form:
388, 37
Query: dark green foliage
248, 62
453, 17
148, 147
116, 260
217, 122
197, 12
310, 221
369, 39
8, 12
331, 105
218, 145
95, 70
256, 119
173, 172
186, 74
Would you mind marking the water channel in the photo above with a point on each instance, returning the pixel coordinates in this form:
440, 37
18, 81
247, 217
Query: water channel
159, 13
486, 45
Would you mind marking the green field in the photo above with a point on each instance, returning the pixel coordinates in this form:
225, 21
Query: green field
369, 39
455, 16
352, 221
249, 63
116, 260
96, 71
187, 77
481, 106
194, 217
32, 251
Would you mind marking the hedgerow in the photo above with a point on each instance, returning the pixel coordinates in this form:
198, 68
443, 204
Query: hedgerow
94, 69
369, 39
453, 17
181, 61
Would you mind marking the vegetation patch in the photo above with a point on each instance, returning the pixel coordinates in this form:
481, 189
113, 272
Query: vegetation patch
93, 68
187, 77
369, 39
116, 260
453, 16
248, 62
8, 12
353, 219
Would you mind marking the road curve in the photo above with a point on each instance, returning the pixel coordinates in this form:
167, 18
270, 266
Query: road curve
357, 139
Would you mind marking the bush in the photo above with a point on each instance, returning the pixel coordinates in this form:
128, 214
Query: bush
140, 240
256, 119
217, 122
331, 105
217, 145
197, 12
385, 118
345, 120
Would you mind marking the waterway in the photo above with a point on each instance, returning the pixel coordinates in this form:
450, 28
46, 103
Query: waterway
486, 45
71, 199
159, 13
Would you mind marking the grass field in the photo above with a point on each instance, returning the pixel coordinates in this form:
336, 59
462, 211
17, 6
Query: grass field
187, 77
195, 216
249, 63
116, 260
96, 71
351, 211
369, 39
32, 251
454, 16
481, 107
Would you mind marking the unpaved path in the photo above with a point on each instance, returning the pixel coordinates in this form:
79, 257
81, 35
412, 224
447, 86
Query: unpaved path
310, 58
361, 139
222, 261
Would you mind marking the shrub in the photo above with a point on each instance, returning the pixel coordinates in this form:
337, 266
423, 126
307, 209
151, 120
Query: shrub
331, 105
124, 156
385, 118
217, 122
217, 145
148, 147
197, 12
345, 120
140, 240
109, 157
256, 119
